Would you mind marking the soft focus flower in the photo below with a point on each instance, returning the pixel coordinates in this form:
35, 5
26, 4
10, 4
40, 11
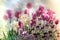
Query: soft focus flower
34, 16
24, 18
41, 8
14, 25
36, 35
5, 16
56, 21
20, 31
26, 11
33, 22
50, 13
25, 34
9, 11
17, 13
20, 24
45, 16
29, 5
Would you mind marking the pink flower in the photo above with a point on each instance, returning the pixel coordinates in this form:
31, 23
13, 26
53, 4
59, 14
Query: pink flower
34, 16
56, 21
29, 5
17, 13
5, 16
50, 12
26, 11
20, 24
46, 16
33, 22
41, 8
9, 13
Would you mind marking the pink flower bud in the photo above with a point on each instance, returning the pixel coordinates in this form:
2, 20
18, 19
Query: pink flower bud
34, 16
50, 12
9, 13
20, 24
5, 16
29, 5
56, 21
26, 11
17, 13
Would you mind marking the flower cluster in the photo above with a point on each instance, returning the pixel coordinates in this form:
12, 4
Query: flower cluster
40, 27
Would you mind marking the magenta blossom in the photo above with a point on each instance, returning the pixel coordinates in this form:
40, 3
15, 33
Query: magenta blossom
45, 16
56, 21
34, 16
9, 13
26, 11
29, 5
50, 12
41, 8
20, 24
17, 13
33, 22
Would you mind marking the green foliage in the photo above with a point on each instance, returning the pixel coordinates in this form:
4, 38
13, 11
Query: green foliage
11, 35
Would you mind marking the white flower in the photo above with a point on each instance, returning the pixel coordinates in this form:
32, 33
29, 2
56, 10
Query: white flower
24, 18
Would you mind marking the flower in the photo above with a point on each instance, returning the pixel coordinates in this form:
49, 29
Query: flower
26, 11
5, 16
56, 22
14, 25
25, 34
20, 31
20, 24
9, 11
17, 13
41, 8
33, 22
45, 16
29, 5
33, 16
24, 18
36, 35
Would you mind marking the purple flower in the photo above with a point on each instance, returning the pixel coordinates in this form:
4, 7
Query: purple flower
20, 24
18, 37
25, 34
20, 31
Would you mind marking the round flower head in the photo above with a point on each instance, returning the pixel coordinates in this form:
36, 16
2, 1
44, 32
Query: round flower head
17, 13
9, 11
26, 11
29, 5
56, 21
41, 8
5, 16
